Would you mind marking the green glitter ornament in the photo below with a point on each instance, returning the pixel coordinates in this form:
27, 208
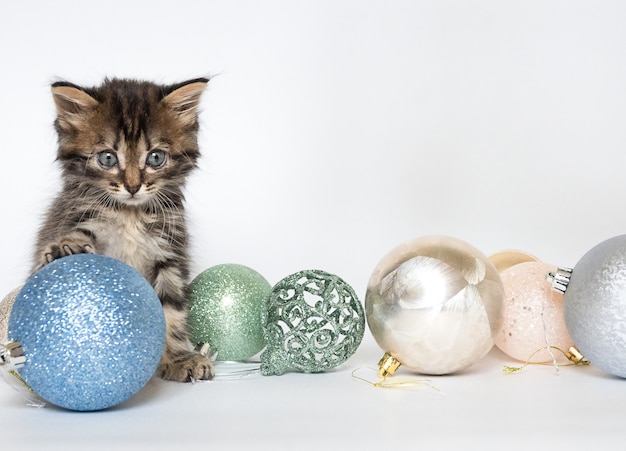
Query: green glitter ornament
226, 308
315, 322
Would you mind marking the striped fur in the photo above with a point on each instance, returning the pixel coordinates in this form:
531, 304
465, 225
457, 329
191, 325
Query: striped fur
125, 150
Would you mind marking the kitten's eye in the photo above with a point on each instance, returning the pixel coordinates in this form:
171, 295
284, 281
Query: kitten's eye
107, 159
156, 158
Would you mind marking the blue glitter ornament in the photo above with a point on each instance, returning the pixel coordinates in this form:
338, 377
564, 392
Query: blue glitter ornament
92, 331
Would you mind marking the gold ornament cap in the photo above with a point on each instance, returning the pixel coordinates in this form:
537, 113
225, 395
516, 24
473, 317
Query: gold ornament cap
574, 355
387, 365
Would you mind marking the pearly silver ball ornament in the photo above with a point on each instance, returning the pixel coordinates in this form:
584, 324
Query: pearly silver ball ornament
434, 305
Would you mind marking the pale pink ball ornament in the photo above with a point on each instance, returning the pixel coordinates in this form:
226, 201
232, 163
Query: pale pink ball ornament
532, 315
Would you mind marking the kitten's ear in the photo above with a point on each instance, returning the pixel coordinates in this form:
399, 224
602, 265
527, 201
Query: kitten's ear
71, 102
184, 98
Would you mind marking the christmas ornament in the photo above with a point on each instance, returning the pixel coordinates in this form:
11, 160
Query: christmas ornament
315, 322
227, 304
434, 304
5, 310
595, 304
91, 329
532, 317
505, 259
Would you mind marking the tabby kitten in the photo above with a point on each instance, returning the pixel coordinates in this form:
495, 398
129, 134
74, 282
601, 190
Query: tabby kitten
125, 149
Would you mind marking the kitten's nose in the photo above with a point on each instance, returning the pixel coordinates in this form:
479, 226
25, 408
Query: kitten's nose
132, 189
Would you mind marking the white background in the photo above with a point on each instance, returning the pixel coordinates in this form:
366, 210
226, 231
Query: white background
331, 132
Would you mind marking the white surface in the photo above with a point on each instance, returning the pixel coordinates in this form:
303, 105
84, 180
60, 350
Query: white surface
332, 132
479, 408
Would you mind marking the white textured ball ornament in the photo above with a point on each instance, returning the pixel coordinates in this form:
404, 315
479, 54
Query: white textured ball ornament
595, 305
532, 317
434, 305
5, 311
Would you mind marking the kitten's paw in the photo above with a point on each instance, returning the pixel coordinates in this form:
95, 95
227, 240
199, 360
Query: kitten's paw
63, 248
187, 368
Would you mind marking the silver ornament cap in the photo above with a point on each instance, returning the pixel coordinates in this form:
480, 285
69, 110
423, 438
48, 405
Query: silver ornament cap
559, 280
12, 355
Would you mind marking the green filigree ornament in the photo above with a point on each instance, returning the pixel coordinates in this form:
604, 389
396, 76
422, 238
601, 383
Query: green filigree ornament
314, 323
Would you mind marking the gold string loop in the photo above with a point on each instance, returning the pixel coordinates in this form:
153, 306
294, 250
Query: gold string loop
572, 354
395, 382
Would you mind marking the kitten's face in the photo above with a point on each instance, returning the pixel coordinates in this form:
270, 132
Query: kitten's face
128, 142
